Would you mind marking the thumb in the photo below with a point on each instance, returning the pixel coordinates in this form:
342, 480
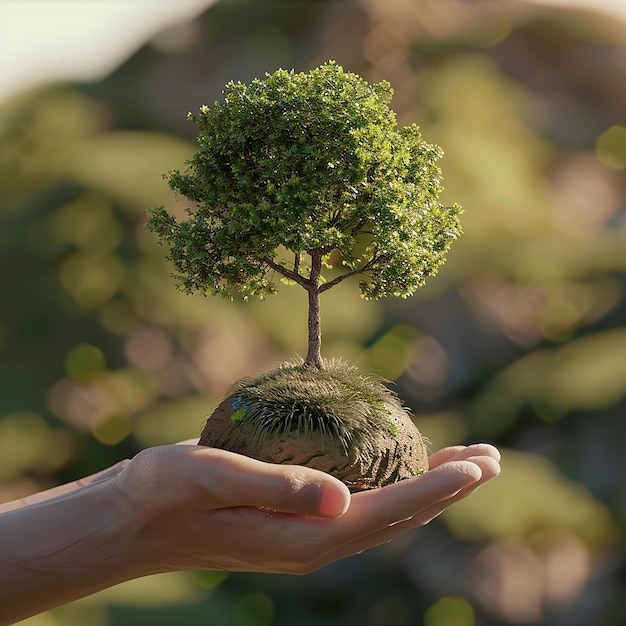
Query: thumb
236, 480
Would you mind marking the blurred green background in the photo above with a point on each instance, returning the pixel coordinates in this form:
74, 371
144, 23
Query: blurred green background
520, 340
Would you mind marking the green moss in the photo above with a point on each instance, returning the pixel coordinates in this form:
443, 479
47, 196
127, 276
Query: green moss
238, 415
336, 400
393, 429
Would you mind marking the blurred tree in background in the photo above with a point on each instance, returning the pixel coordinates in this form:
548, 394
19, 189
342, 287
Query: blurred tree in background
520, 340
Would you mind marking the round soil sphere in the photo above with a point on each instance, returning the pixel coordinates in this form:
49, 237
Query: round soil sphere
321, 419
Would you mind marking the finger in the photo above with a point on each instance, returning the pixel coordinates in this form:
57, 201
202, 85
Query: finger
483, 450
403, 499
236, 480
459, 453
375, 510
488, 467
444, 455
188, 442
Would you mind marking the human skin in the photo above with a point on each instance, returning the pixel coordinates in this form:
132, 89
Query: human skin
185, 506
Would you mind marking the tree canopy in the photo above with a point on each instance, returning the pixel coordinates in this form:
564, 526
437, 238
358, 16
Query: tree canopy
311, 164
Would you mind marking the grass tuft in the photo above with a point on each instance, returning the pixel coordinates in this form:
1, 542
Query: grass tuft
337, 401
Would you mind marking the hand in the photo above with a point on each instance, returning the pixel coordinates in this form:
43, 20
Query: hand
191, 507
203, 508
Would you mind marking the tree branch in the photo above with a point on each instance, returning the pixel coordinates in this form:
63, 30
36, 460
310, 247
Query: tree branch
338, 279
358, 227
291, 275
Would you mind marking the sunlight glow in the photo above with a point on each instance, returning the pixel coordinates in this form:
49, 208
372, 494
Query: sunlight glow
47, 40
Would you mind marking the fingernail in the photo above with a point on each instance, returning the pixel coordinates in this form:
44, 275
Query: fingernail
333, 501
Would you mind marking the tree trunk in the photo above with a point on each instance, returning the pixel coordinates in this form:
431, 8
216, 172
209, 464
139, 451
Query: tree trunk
314, 355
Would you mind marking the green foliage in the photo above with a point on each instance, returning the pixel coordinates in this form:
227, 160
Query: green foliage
304, 162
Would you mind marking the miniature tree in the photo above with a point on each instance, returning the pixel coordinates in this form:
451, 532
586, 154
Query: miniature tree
305, 172
305, 177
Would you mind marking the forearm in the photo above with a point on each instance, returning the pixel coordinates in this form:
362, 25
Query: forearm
63, 549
